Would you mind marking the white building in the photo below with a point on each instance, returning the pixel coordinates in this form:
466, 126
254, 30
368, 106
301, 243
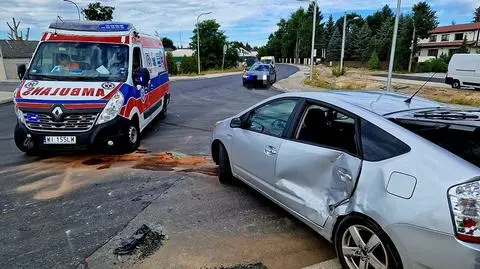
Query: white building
12, 54
448, 39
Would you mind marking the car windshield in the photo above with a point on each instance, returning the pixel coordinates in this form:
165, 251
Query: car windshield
260, 67
266, 61
79, 61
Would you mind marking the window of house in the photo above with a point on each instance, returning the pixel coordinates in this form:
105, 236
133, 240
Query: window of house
459, 36
272, 118
445, 37
433, 38
327, 127
433, 52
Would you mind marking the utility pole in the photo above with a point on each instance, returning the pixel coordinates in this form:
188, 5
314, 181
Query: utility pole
394, 43
342, 54
412, 49
198, 38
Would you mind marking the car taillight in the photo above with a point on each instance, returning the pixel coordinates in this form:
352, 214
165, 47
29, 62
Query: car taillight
465, 207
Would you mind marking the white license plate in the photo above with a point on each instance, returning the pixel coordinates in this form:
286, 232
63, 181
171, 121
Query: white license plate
60, 140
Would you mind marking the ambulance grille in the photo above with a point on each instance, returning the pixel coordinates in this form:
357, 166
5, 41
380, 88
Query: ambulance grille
67, 123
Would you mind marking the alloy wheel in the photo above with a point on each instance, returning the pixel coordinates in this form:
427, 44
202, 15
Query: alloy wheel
363, 249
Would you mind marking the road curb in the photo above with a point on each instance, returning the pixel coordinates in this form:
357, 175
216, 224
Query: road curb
6, 97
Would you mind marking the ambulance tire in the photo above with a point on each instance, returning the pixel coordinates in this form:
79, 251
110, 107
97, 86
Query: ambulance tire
131, 137
20, 141
163, 114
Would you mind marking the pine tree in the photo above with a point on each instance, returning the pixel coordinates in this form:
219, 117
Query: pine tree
476, 15
352, 43
329, 29
463, 48
364, 48
384, 40
374, 62
335, 46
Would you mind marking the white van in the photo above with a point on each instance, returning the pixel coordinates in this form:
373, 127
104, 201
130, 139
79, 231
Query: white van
268, 60
90, 84
464, 71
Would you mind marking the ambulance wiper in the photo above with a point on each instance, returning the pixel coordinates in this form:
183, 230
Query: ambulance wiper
41, 77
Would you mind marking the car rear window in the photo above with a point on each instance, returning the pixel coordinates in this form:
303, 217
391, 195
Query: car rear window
463, 141
378, 145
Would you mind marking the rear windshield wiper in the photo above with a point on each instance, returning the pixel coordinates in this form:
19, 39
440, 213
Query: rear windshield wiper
446, 115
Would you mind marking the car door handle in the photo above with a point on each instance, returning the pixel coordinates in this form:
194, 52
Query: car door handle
270, 151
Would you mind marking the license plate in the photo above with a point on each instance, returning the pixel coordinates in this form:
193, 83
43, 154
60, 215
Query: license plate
60, 140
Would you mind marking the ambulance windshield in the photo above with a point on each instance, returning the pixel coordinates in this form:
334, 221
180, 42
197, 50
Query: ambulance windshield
79, 61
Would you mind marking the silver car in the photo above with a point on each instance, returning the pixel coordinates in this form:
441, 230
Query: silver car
392, 182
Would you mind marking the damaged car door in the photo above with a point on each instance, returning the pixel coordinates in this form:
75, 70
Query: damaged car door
318, 166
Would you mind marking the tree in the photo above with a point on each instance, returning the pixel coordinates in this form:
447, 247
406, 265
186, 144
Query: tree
364, 48
329, 29
172, 66
212, 40
425, 19
334, 46
352, 43
14, 35
376, 20
188, 65
476, 15
248, 47
383, 40
374, 62
463, 48
168, 44
404, 42
97, 12
231, 56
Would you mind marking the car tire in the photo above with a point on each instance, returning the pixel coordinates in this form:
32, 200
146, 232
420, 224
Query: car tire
456, 84
275, 78
163, 114
225, 175
20, 137
368, 232
131, 137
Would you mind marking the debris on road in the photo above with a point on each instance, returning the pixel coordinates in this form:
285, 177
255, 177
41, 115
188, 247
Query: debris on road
144, 242
244, 266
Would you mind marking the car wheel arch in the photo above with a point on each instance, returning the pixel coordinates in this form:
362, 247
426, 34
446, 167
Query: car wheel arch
214, 149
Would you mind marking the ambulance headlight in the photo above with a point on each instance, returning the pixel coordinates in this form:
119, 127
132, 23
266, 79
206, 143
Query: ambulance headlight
112, 108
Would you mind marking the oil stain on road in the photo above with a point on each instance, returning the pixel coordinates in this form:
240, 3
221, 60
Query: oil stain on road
57, 176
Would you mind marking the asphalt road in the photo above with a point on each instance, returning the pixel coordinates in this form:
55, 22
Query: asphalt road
8, 86
416, 78
57, 211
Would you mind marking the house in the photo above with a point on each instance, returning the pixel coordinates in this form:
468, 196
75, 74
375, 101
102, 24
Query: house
12, 54
448, 39
178, 54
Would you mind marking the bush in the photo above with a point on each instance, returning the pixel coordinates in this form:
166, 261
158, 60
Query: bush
336, 71
171, 64
188, 65
439, 65
374, 62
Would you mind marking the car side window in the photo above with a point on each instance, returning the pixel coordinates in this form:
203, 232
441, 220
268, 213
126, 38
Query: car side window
137, 59
272, 118
327, 127
378, 145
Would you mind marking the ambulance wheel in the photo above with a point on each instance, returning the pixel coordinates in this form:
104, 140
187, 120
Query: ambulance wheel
132, 137
22, 142
164, 111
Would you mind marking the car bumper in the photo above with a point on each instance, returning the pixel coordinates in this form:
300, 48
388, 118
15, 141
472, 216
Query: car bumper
425, 248
255, 82
97, 136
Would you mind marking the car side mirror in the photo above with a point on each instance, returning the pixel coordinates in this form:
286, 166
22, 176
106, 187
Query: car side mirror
236, 123
21, 70
141, 77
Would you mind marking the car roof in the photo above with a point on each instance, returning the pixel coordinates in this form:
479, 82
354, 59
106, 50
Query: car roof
379, 102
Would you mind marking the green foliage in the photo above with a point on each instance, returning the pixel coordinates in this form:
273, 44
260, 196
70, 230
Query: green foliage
168, 44
172, 66
463, 48
374, 62
334, 46
364, 47
383, 40
352, 43
329, 29
438, 65
188, 65
97, 12
476, 15
212, 40
425, 19
336, 71
404, 41
231, 57
376, 20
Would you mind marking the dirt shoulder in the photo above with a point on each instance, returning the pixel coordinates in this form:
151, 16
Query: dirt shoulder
362, 79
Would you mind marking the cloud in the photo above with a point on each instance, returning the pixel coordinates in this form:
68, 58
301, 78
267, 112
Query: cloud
251, 19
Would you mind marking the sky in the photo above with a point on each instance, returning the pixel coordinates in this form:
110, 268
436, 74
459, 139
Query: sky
242, 20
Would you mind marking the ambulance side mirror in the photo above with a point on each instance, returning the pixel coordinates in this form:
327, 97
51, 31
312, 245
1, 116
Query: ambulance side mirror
141, 77
21, 70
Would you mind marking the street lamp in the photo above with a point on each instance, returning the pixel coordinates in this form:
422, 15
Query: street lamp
394, 43
313, 33
198, 37
343, 37
78, 10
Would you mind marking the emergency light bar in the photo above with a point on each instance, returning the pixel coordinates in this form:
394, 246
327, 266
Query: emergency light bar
91, 26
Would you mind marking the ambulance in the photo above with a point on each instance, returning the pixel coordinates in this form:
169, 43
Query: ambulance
90, 84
